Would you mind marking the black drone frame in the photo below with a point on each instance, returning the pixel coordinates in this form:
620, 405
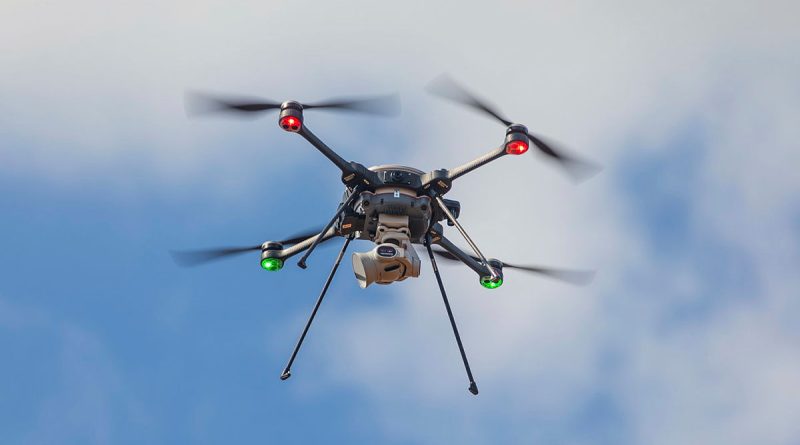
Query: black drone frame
433, 185
358, 178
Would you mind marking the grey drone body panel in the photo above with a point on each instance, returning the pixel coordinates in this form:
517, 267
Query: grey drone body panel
400, 191
397, 201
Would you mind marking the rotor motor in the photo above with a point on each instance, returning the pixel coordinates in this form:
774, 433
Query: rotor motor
291, 117
516, 142
493, 283
270, 256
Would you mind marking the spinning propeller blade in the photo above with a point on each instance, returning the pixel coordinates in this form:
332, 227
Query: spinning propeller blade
576, 277
198, 104
188, 258
447, 88
388, 105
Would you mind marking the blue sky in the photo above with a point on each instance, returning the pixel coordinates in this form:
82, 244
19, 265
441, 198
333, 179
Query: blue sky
111, 309
686, 336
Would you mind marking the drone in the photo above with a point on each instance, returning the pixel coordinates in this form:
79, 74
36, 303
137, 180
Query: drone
395, 207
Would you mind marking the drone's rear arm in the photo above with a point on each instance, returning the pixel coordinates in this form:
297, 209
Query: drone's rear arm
301, 246
446, 244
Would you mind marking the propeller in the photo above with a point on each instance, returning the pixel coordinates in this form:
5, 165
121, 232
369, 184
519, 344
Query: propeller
576, 277
198, 103
447, 88
188, 258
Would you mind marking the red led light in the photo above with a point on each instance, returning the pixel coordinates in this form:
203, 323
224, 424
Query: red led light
516, 147
290, 123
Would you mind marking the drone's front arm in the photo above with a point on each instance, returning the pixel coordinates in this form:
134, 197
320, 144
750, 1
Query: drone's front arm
353, 173
440, 181
463, 169
516, 143
343, 165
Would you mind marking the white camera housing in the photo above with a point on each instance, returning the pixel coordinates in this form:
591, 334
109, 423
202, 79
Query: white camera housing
393, 259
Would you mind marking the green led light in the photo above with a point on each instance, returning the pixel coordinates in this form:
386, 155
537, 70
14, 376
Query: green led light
272, 264
489, 284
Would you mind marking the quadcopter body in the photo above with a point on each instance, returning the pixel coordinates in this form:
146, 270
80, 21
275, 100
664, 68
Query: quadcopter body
396, 207
396, 213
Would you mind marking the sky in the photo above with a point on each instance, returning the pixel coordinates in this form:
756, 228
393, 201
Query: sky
687, 334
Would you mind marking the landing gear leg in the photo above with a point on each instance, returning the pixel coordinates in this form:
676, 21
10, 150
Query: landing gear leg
287, 371
473, 388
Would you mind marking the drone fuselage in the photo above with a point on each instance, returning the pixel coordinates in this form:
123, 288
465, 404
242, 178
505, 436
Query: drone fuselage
395, 216
390, 205
393, 206
401, 193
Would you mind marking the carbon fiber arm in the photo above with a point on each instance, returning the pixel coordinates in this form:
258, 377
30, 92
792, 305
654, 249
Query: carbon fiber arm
353, 173
305, 244
440, 240
463, 169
